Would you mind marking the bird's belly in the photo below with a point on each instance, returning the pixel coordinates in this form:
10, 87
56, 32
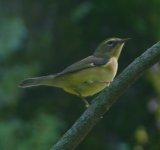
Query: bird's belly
89, 81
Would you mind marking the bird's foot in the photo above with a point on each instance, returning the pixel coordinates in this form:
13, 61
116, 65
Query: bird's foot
107, 82
86, 102
83, 99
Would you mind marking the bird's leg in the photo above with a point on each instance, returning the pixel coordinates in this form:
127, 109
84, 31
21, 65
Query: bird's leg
84, 100
91, 82
107, 82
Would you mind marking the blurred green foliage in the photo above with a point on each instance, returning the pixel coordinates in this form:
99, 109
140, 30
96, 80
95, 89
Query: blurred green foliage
36, 134
43, 37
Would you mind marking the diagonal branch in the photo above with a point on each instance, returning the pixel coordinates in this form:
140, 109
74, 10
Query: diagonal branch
101, 104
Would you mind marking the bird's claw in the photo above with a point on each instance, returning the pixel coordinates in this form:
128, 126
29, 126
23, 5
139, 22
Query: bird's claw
107, 82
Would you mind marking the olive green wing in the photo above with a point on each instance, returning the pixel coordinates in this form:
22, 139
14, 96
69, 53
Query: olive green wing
88, 62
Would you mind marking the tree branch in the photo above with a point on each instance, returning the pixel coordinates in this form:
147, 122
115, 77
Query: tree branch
106, 98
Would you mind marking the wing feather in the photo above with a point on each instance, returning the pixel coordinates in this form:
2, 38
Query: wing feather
88, 62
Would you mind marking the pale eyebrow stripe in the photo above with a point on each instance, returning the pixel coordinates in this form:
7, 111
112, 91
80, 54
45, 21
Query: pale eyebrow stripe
108, 41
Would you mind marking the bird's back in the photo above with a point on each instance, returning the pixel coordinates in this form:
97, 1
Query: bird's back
88, 81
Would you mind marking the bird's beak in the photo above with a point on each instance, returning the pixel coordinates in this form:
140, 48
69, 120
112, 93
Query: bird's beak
124, 40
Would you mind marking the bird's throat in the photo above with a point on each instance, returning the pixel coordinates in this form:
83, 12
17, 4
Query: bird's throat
116, 53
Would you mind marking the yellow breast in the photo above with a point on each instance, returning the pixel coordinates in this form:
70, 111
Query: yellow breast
89, 81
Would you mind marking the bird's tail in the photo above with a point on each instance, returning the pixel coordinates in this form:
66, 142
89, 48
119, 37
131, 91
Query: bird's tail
44, 80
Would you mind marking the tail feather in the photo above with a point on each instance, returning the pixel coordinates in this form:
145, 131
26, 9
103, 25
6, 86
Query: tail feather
45, 80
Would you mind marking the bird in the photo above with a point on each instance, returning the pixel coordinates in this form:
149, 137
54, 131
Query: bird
88, 76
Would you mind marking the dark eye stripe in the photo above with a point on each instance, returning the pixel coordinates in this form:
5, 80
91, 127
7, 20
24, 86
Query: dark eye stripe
110, 43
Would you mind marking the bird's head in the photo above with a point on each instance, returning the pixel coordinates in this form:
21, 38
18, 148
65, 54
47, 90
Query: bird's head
110, 48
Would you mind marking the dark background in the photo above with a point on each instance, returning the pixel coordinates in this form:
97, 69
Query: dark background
42, 37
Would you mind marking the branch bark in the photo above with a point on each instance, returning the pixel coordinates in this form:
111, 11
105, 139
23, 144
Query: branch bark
101, 104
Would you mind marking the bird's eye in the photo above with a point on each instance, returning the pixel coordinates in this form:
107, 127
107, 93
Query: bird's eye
110, 43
